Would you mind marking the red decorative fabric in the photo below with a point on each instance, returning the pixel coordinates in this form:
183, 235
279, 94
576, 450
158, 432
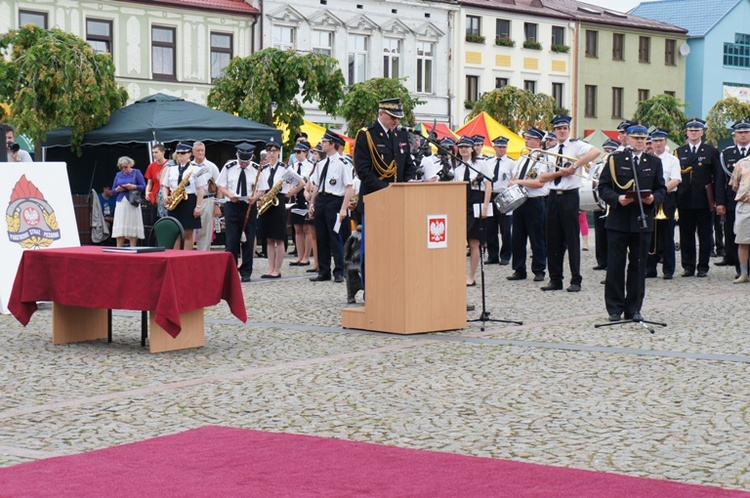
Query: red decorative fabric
168, 283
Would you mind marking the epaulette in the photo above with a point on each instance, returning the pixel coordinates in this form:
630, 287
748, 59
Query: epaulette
573, 140
231, 163
728, 148
616, 152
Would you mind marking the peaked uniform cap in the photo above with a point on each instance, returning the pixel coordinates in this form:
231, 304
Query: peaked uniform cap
392, 107
245, 151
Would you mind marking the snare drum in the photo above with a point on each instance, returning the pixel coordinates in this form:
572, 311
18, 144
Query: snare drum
510, 199
589, 196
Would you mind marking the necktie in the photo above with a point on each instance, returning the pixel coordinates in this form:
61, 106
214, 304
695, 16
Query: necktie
743, 151
497, 170
181, 169
467, 174
323, 177
242, 184
694, 149
635, 161
271, 175
559, 164
299, 169
522, 176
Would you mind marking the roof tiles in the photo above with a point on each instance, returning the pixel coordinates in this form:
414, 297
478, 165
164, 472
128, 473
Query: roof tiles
231, 6
697, 16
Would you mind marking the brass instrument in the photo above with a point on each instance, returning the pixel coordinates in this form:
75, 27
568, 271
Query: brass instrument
270, 198
570, 160
660, 215
178, 195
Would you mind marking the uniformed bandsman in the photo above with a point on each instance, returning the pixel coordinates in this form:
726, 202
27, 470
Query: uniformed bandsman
502, 172
626, 237
600, 233
236, 182
622, 134
550, 140
303, 226
188, 211
563, 230
332, 189
725, 203
663, 247
528, 218
272, 223
699, 163
478, 146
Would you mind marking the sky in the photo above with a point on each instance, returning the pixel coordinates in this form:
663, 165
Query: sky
618, 5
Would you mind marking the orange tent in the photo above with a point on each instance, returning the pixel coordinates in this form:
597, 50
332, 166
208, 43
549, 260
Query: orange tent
441, 129
483, 124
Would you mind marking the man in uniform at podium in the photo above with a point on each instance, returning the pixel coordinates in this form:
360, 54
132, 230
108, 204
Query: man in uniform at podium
382, 156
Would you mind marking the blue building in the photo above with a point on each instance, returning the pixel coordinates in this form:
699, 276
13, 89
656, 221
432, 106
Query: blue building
717, 49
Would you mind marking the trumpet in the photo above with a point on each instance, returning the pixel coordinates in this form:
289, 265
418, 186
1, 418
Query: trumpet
570, 160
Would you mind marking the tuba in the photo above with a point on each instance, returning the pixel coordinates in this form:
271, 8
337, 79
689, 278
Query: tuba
178, 195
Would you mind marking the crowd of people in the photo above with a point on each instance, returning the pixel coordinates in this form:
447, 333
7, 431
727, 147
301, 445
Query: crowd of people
320, 192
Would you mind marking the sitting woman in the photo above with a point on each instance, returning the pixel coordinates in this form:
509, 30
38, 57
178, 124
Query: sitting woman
128, 221
477, 174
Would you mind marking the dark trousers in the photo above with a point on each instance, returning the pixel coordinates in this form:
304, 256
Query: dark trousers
563, 232
662, 248
234, 218
718, 232
500, 224
730, 246
633, 247
528, 224
600, 238
327, 208
690, 221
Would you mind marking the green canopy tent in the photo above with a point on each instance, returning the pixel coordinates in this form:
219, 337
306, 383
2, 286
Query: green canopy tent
132, 129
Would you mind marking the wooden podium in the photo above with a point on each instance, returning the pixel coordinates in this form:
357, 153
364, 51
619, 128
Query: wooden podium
415, 253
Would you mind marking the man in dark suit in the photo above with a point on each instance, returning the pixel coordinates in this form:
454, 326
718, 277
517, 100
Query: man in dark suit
626, 237
382, 155
725, 204
699, 163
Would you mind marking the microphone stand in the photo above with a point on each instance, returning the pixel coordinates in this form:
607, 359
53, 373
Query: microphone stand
484, 316
640, 269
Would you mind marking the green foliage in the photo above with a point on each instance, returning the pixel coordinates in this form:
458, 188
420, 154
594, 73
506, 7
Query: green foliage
559, 48
52, 79
265, 87
533, 45
474, 38
663, 111
722, 115
515, 108
504, 42
360, 106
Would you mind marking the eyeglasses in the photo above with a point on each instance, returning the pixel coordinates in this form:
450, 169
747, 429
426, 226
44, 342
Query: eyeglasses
183, 152
299, 151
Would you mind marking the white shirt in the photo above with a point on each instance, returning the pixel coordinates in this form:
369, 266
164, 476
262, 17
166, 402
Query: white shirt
576, 148
23, 157
504, 172
535, 169
478, 166
230, 176
279, 169
671, 168
337, 177
195, 182
209, 171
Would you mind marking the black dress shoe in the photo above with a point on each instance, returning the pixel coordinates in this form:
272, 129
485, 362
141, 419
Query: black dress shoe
504, 262
338, 279
701, 274
492, 262
552, 287
320, 278
635, 316
600, 267
245, 278
667, 276
688, 273
539, 277
713, 254
614, 317
517, 276
723, 262
574, 288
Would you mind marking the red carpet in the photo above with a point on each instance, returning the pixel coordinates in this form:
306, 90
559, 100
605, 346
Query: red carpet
223, 461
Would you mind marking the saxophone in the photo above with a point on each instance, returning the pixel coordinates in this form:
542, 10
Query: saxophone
270, 198
178, 195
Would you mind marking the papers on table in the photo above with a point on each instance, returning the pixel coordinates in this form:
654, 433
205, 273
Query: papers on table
132, 250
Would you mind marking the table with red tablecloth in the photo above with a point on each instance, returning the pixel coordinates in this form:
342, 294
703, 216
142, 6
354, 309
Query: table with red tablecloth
170, 284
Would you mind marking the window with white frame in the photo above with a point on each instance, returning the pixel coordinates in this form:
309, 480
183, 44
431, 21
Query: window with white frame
425, 57
322, 42
357, 58
391, 57
284, 37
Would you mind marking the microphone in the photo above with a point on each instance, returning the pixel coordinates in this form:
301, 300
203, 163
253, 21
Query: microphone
408, 130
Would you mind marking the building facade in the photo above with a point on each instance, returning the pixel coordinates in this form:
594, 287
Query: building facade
174, 47
372, 39
717, 51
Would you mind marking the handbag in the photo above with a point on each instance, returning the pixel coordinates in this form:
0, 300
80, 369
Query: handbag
135, 196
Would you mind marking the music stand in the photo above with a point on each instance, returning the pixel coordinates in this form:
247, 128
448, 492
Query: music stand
640, 265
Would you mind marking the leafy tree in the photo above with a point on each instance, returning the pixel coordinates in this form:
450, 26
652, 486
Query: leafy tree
515, 108
265, 87
722, 115
663, 111
360, 106
53, 79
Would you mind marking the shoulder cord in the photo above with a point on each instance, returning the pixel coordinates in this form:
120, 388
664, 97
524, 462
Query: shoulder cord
382, 169
627, 185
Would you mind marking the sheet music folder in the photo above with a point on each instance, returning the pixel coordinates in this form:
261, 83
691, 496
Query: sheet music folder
133, 250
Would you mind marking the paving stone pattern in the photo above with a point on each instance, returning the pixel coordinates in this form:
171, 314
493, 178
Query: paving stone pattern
555, 390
